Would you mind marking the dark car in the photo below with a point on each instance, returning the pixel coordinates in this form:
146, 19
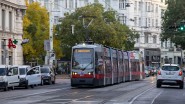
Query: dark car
48, 74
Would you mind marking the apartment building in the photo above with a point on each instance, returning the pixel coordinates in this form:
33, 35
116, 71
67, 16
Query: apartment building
11, 29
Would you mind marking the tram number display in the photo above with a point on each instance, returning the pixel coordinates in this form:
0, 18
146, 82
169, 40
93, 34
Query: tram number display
82, 50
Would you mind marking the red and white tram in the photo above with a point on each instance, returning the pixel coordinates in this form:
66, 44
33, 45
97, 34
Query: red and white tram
98, 65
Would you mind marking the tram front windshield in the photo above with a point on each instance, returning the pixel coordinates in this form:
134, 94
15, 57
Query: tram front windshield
82, 59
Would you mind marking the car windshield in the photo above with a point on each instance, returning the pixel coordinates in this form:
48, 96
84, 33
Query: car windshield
82, 59
170, 68
44, 70
2, 71
22, 71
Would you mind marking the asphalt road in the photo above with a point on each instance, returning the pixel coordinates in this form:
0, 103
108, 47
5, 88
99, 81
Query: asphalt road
136, 92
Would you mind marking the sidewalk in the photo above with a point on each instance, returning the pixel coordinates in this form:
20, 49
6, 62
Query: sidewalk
63, 76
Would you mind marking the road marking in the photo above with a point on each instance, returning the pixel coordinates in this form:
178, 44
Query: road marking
140, 95
156, 97
37, 93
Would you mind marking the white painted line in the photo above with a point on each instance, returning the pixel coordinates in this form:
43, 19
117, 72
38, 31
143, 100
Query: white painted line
46, 92
39, 93
87, 101
140, 95
156, 97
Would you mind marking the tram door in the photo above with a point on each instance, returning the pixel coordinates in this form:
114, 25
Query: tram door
126, 66
108, 69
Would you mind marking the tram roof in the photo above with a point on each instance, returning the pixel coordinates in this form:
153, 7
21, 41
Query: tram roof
84, 45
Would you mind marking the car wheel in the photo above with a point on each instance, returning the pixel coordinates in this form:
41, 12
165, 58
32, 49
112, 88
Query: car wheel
42, 83
53, 82
32, 86
50, 82
26, 86
13, 87
158, 85
181, 86
6, 88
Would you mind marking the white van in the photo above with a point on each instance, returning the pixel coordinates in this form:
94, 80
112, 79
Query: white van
8, 77
28, 76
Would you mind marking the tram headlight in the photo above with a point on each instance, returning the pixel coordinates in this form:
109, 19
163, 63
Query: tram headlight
74, 73
90, 73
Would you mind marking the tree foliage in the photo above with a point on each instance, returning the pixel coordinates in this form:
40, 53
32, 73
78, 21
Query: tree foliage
104, 29
36, 29
173, 17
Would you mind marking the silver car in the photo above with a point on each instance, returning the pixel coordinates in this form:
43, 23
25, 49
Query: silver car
170, 74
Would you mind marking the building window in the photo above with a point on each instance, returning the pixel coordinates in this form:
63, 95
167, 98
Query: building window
71, 4
46, 4
140, 6
162, 12
66, 3
161, 44
154, 39
146, 6
122, 4
135, 6
146, 38
3, 19
56, 18
139, 21
146, 22
56, 6
156, 23
152, 7
135, 21
152, 22
156, 8
10, 21
137, 40
165, 44
76, 4
170, 44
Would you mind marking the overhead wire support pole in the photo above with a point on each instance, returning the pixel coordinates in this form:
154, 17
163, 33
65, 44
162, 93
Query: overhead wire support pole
50, 31
86, 26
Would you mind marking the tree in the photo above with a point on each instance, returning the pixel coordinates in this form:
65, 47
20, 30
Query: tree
104, 29
173, 19
36, 29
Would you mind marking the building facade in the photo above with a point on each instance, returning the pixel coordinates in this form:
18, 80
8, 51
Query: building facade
144, 16
11, 28
171, 54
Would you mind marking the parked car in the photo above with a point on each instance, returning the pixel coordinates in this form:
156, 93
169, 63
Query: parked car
170, 74
48, 74
28, 77
8, 77
147, 74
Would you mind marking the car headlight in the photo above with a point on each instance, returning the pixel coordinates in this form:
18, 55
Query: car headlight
2, 79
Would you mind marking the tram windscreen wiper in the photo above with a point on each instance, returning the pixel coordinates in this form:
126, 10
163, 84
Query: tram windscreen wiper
86, 66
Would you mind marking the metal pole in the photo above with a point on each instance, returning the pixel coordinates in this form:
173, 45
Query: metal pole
50, 32
181, 57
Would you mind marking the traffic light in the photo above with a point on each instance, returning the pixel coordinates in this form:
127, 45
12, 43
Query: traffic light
182, 28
